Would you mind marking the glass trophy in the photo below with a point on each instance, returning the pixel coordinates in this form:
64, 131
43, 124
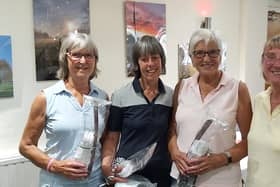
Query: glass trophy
135, 162
85, 153
200, 147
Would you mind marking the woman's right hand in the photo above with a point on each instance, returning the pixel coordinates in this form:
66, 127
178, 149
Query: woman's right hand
69, 168
181, 161
109, 147
111, 174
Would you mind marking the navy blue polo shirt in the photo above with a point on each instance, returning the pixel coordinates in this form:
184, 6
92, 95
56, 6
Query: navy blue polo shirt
141, 123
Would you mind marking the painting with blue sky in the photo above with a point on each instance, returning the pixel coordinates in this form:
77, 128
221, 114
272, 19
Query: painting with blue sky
6, 73
52, 20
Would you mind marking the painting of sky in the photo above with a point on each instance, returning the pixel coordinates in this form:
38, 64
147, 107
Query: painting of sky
58, 17
5, 49
6, 74
53, 19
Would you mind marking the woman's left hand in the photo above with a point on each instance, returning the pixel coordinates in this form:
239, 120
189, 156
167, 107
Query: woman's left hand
69, 168
201, 165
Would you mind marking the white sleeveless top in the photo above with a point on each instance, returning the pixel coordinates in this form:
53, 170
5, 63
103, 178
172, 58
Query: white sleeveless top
192, 111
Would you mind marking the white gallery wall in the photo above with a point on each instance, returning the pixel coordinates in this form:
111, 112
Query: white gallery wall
241, 24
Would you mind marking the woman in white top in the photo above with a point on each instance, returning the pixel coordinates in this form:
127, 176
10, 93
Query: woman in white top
209, 91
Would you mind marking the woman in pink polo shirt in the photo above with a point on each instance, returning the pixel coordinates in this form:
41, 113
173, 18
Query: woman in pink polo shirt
209, 91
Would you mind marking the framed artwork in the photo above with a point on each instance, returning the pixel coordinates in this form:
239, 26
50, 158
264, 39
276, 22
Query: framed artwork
223, 65
143, 19
185, 67
6, 72
52, 20
273, 26
273, 23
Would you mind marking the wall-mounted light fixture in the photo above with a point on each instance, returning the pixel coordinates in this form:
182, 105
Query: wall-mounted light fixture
206, 23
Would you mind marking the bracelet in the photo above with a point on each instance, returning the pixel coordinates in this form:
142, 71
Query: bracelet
50, 164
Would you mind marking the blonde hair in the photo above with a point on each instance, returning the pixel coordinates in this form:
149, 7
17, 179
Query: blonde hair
273, 42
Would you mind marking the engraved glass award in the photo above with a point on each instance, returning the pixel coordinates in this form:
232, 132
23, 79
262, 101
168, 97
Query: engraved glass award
200, 147
135, 162
85, 153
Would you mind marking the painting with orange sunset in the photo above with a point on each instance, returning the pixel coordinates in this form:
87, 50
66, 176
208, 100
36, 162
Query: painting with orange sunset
143, 19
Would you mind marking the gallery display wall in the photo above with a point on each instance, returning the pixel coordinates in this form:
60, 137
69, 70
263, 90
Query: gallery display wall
241, 24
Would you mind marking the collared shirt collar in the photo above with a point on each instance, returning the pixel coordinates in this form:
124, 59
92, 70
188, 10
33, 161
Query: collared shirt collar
224, 79
138, 89
268, 91
60, 87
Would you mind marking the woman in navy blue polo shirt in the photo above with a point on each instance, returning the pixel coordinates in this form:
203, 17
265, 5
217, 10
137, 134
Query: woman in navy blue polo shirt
140, 115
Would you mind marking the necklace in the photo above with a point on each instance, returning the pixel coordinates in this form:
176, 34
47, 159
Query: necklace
77, 93
150, 93
205, 88
75, 89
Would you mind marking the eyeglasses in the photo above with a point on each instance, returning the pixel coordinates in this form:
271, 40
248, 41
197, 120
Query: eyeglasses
76, 57
270, 58
214, 53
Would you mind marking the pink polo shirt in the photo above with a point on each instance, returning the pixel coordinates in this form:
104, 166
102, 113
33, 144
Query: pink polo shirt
192, 111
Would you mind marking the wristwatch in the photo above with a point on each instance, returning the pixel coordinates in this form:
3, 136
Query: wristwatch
229, 157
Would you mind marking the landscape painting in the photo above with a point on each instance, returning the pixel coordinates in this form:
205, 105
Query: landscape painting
273, 23
6, 72
143, 19
53, 19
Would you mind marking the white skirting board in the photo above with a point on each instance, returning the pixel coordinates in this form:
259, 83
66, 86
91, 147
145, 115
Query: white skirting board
16, 171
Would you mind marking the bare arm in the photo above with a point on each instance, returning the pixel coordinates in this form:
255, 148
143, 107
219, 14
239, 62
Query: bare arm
172, 135
179, 158
32, 132
109, 149
244, 117
28, 144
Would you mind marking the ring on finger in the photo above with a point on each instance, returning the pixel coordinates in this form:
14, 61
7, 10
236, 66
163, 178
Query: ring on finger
109, 179
114, 170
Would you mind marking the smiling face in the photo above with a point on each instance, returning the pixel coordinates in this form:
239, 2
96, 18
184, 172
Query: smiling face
271, 65
206, 57
150, 67
81, 63
148, 53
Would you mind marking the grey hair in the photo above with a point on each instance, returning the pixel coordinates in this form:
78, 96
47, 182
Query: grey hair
205, 35
146, 45
75, 41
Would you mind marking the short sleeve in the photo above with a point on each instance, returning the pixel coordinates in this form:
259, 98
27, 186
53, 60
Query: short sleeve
115, 116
